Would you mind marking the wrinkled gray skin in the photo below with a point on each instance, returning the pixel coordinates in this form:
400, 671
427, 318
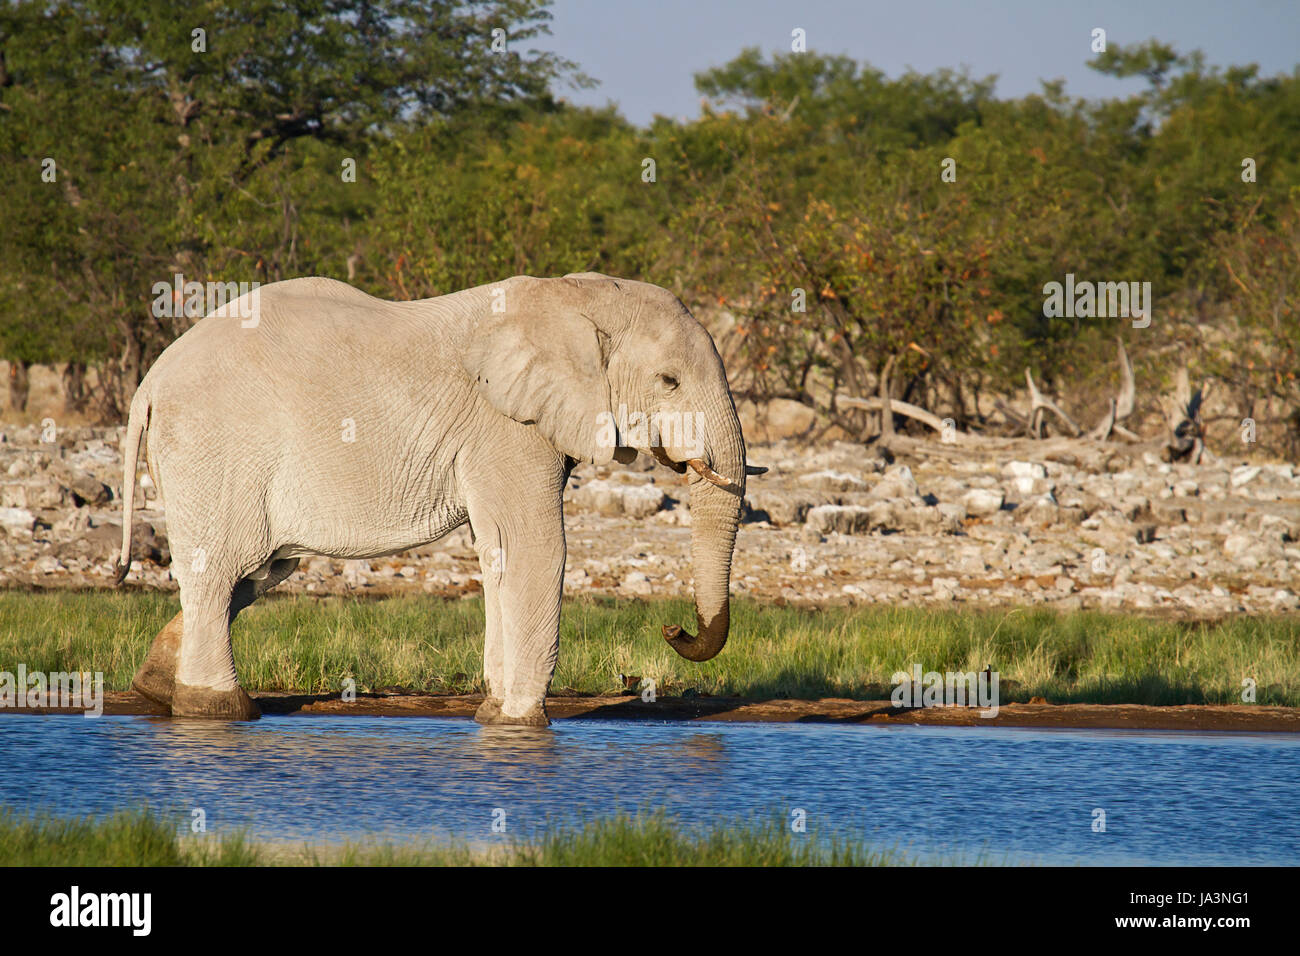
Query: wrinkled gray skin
456, 412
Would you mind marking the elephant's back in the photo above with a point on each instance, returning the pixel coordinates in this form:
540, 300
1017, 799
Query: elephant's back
306, 331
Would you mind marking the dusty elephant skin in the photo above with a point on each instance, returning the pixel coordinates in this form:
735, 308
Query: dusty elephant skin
422, 416
156, 678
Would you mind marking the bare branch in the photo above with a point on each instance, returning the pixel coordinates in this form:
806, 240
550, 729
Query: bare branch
1040, 403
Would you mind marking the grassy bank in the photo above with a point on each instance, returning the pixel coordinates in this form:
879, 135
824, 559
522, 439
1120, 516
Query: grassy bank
138, 838
428, 644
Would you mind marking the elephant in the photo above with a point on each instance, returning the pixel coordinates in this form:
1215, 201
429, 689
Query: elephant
335, 423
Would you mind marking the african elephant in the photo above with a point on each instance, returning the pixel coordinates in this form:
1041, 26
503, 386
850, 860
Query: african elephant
338, 424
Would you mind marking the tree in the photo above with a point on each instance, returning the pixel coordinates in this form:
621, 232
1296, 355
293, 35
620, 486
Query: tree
171, 135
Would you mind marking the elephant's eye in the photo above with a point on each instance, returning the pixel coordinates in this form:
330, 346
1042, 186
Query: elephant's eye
668, 380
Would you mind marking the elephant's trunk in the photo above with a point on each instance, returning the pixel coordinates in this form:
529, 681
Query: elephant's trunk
715, 514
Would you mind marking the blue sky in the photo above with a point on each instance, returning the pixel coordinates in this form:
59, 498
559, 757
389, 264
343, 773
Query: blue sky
646, 53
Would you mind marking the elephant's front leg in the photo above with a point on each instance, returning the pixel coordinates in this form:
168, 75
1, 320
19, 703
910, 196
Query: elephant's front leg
520, 541
494, 660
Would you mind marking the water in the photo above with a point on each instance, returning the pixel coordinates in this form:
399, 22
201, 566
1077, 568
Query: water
1005, 795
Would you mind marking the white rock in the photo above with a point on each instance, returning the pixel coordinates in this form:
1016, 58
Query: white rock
1250, 551
1024, 469
1244, 475
637, 583
355, 572
983, 501
833, 481
896, 483
18, 519
612, 498
846, 519
944, 589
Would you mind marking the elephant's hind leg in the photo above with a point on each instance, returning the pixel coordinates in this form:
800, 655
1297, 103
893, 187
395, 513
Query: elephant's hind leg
206, 684
156, 677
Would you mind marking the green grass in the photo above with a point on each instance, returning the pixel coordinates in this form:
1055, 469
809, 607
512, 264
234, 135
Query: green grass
425, 643
139, 838
128, 838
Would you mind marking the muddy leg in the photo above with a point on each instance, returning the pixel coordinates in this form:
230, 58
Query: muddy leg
156, 678
206, 684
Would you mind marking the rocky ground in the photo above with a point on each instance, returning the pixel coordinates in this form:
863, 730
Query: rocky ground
999, 523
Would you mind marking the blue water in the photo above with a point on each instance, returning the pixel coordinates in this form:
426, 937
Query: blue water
1003, 795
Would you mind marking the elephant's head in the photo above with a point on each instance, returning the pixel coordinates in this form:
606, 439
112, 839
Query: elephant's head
605, 368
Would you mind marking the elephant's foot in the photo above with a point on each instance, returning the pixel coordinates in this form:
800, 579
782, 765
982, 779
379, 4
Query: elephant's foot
233, 704
156, 678
488, 711
492, 713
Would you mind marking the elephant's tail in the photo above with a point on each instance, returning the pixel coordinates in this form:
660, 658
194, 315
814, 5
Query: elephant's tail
136, 423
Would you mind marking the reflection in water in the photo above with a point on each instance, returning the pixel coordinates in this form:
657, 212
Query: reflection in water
1015, 794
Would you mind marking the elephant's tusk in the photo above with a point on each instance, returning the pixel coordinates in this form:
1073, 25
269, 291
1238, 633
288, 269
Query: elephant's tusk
755, 470
707, 473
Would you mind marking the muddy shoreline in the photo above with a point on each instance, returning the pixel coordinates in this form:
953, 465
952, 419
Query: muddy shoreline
1187, 717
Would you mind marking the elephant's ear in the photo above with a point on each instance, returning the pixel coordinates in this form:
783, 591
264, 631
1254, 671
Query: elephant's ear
542, 362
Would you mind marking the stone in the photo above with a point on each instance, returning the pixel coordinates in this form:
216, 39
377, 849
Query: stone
84, 488
897, 482
952, 516
17, 519
944, 589
638, 583
1251, 551
356, 573
32, 493
1284, 526
615, 498
833, 481
781, 507
983, 501
1244, 475
1027, 487
1024, 469
844, 519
